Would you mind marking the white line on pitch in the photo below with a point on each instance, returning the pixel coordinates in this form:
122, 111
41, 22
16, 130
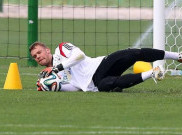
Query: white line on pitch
22, 74
91, 127
93, 132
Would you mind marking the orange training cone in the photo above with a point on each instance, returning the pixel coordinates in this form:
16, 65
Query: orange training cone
13, 80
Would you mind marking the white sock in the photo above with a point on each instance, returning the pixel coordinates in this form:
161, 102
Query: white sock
171, 55
146, 75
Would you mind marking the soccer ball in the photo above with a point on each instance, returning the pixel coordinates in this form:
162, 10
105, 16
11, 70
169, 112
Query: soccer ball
51, 82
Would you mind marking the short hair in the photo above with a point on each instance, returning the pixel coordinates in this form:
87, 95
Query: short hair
32, 46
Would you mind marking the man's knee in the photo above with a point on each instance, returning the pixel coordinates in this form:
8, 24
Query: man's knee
107, 84
124, 81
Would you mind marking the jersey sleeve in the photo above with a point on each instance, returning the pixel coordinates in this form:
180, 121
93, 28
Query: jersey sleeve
72, 54
65, 49
68, 87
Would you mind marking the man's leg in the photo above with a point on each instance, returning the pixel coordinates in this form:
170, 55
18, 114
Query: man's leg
107, 77
118, 62
124, 81
117, 83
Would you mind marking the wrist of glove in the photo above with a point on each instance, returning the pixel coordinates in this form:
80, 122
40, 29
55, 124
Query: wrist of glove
58, 68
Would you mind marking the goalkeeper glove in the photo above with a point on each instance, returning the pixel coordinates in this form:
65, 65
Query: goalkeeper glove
45, 72
58, 68
39, 85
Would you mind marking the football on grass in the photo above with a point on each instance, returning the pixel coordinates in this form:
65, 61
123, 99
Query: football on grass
51, 82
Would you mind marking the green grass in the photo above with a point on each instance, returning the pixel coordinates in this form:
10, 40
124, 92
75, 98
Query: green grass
145, 108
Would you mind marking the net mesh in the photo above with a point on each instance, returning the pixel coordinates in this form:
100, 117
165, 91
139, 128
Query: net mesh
173, 38
98, 27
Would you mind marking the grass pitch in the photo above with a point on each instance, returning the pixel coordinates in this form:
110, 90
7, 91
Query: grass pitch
144, 109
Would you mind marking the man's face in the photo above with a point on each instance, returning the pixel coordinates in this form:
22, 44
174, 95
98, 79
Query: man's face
42, 55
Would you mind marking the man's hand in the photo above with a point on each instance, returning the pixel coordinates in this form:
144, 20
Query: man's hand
45, 72
39, 85
55, 69
58, 68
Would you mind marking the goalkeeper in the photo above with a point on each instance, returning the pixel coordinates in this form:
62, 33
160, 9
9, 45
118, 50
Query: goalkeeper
102, 73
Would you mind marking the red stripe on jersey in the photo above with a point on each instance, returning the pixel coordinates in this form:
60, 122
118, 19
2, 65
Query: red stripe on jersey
61, 49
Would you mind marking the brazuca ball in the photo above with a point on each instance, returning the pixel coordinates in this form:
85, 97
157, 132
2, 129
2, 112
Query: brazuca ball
51, 82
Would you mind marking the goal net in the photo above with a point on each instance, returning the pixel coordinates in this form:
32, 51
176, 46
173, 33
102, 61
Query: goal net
173, 31
98, 27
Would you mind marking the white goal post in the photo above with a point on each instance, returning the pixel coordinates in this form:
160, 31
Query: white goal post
159, 28
167, 30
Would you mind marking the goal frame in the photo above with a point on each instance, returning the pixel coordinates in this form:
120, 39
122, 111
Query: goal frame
159, 28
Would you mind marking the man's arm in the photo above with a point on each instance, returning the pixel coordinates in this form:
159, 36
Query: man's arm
68, 87
74, 57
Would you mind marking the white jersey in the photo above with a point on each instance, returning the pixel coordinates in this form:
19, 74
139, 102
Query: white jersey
78, 72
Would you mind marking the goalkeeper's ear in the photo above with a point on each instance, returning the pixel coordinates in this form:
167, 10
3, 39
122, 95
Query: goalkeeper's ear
48, 50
